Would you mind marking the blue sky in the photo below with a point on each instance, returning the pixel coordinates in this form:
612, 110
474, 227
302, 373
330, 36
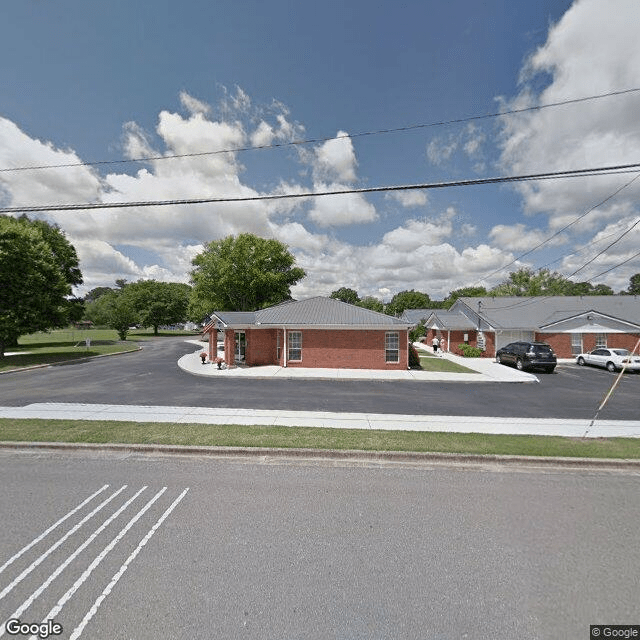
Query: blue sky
106, 81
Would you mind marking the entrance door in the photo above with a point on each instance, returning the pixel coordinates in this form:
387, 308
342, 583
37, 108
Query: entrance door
241, 345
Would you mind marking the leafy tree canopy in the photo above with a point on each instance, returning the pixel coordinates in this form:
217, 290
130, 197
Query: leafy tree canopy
346, 295
38, 268
371, 303
408, 300
465, 292
527, 282
158, 303
634, 285
241, 273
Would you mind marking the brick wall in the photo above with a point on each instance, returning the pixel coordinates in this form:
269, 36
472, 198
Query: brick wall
261, 346
348, 349
561, 342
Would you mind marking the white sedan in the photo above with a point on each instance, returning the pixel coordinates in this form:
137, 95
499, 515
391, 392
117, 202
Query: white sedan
611, 359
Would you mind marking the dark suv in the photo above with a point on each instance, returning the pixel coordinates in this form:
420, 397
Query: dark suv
528, 355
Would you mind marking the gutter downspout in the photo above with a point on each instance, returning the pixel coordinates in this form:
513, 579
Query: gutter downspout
284, 355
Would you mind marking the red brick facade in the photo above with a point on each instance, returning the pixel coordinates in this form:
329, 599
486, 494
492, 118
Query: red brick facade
324, 348
560, 342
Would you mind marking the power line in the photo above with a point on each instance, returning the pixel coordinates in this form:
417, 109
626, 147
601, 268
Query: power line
557, 233
362, 134
573, 173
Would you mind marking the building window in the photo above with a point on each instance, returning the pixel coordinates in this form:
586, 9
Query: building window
576, 344
278, 346
392, 346
601, 340
295, 345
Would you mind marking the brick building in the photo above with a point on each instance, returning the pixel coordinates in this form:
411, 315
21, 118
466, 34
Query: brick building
317, 332
570, 324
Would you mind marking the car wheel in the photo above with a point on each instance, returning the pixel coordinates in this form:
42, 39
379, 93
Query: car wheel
519, 365
499, 359
550, 369
581, 362
611, 367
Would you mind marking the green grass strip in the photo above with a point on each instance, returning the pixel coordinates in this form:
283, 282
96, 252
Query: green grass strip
229, 435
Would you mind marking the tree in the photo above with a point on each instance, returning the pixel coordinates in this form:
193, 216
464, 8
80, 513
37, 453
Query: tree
634, 285
371, 303
38, 268
526, 282
158, 303
465, 292
241, 273
408, 300
114, 310
346, 295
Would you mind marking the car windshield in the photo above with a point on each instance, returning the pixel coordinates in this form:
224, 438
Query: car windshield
621, 352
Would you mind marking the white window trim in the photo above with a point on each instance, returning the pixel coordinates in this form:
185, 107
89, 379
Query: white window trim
289, 343
388, 349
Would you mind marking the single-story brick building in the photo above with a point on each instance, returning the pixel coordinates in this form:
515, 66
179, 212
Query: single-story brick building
317, 332
570, 324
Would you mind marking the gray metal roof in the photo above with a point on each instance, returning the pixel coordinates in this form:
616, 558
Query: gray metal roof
235, 318
322, 311
515, 312
444, 319
415, 316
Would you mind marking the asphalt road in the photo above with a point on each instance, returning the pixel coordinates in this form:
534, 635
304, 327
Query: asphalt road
152, 377
314, 551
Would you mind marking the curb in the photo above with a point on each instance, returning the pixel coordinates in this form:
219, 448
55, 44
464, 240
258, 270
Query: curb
345, 455
68, 362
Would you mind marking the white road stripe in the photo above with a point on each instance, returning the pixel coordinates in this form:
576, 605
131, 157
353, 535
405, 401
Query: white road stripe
29, 601
107, 590
51, 549
87, 572
50, 529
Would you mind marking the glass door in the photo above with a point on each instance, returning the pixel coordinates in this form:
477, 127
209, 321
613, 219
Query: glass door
241, 346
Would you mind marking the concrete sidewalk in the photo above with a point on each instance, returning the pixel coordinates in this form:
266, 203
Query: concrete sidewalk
575, 428
483, 370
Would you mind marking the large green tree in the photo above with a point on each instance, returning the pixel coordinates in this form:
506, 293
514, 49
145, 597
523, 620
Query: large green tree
158, 303
634, 285
527, 282
371, 303
241, 273
346, 295
38, 268
408, 300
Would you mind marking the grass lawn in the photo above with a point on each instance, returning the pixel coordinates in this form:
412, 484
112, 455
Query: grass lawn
430, 362
32, 430
63, 345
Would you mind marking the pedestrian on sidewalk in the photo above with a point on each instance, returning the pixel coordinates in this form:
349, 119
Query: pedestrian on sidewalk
435, 343
443, 344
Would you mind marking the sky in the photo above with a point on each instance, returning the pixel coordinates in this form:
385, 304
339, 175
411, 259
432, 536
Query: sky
84, 82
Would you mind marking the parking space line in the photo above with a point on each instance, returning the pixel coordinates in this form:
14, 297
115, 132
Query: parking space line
13, 558
29, 601
107, 590
51, 549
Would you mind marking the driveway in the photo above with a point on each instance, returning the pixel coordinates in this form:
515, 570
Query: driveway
152, 377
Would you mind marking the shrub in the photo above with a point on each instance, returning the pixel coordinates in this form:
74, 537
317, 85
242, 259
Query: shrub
414, 358
470, 352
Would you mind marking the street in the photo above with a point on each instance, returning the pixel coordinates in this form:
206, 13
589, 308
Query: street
152, 377
250, 550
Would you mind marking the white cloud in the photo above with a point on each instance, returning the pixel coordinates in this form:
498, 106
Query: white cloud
193, 105
336, 159
517, 237
410, 198
339, 210
40, 186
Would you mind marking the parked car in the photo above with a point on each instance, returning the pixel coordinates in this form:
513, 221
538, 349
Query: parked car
528, 355
611, 359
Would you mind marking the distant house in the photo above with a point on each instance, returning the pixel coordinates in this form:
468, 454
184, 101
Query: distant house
570, 324
317, 332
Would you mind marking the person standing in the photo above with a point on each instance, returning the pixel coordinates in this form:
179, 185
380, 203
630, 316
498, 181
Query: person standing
435, 343
443, 344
